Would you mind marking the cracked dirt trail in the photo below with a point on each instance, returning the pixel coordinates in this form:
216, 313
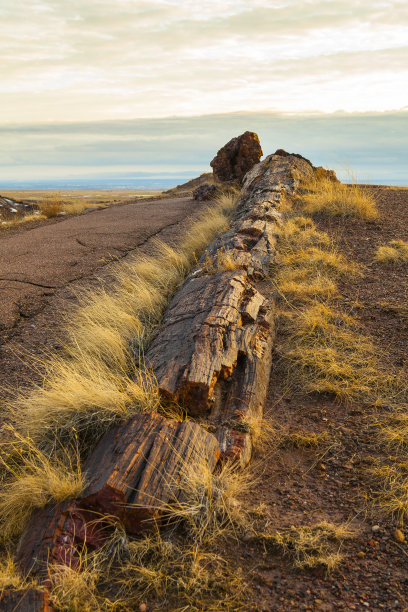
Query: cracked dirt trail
36, 262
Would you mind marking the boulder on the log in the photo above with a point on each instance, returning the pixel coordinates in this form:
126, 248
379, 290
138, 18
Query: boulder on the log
134, 473
206, 192
235, 158
25, 600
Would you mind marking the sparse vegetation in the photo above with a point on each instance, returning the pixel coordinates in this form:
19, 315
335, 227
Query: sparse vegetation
323, 195
322, 350
312, 546
395, 252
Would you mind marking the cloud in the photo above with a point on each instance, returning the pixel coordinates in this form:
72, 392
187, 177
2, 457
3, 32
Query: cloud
373, 144
97, 59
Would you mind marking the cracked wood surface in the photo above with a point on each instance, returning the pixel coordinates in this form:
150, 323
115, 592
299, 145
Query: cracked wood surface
35, 262
212, 353
135, 471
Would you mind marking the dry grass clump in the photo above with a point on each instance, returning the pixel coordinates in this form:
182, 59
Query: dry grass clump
323, 195
312, 546
35, 480
395, 252
10, 577
50, 206
100, 377
223, 260
389, 491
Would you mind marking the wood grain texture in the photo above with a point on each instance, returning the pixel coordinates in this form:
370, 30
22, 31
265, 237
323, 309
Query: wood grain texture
137, 468
25, 600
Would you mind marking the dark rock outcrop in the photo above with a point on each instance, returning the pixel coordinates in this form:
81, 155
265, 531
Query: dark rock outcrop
236, 158
205, 192
10, 208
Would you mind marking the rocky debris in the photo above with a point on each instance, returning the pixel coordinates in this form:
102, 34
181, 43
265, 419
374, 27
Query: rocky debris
236, 158
399, 536
205, 192
9, 208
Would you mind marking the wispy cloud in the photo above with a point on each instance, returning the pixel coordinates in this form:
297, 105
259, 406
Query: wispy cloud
98, 59
373, 144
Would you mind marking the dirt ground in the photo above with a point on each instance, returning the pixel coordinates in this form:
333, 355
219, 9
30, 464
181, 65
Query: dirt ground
302, 487
295, 486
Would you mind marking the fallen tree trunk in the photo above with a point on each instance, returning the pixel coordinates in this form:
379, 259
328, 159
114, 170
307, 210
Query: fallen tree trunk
212, 354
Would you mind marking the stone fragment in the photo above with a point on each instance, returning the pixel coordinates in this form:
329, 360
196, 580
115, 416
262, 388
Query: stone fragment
399, 536
238, 156
205, 192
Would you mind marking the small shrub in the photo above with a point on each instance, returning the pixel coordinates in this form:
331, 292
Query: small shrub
51, 206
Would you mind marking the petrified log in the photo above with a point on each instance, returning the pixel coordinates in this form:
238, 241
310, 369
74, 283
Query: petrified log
137, 468
135, 471
25, 600
213, 352
235, 158
57, 535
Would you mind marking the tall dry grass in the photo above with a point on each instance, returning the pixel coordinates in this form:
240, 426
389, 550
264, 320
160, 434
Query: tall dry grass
323, 195
100, 377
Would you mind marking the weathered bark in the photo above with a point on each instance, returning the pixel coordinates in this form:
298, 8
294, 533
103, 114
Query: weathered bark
138, 468
212, 353
25, 600
135, 471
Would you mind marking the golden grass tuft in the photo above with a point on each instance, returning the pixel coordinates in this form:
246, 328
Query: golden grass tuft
323, 195
395, 252
10, 577
312, 546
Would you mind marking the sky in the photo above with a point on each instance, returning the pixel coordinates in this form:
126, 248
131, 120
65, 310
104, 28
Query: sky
76, 75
